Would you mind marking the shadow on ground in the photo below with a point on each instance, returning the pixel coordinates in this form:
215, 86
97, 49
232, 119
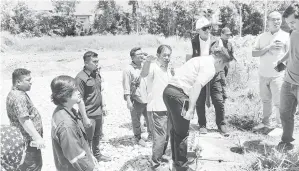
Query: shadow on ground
253, 146
124, 140
139, 163
126, 125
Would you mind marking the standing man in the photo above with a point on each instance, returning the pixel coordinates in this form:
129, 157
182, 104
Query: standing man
135, 93
271, 46
289, 94
180, 98
88, 82
23, 115
201, 45
158, 75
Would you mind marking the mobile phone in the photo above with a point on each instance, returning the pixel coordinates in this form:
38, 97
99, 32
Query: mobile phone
280, 67
185, 107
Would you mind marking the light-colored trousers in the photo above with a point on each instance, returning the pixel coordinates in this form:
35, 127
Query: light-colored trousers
270, 91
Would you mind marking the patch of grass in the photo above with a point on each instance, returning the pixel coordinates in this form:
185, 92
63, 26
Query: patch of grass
109, 42
274, 160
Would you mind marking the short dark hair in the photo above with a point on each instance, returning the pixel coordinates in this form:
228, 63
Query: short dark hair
18, 73
88, 55
292, 9
163, 47
134, 50
62, 88
223, 54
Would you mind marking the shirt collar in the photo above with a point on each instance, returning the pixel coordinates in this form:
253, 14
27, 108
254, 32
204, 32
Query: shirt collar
275, 32
87, 72
134, 65
70, 112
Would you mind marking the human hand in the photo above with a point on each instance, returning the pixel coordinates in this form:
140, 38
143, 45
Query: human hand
87, 122
104, 110
189, 115
129, 105
150, 58
172, 71
39, 144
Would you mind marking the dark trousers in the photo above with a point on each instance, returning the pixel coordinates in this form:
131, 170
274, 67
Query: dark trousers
94, 134
159, 125
173, 98
138, 110
33, 160
216, 93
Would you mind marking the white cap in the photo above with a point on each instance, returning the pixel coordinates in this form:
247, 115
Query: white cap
202, 22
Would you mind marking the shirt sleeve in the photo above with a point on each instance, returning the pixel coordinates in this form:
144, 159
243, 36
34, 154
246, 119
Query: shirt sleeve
151, 71
127, 82
73, 150
257, 44
80, 85
19, 107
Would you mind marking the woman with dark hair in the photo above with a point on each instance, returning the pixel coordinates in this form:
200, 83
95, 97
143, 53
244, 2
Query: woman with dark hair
70, 148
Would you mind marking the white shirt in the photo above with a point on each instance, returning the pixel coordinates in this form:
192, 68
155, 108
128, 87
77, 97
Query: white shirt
157, 80
204, 46
196, 69
269, 60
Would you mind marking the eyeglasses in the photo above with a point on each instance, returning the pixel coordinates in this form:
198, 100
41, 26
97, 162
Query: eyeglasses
206, 28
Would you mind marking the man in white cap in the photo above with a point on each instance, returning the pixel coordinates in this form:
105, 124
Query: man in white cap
201, 45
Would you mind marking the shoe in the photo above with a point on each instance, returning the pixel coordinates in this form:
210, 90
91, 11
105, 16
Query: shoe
285, 146
141, 142
224, 130
103, 158
165, 158
259, 126
203, 129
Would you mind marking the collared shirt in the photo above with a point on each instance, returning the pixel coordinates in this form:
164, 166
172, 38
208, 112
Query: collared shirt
196, 69
19, 105
89, 85
70, 148
292, 71
133, 84
205, 46
157, 80
269, 60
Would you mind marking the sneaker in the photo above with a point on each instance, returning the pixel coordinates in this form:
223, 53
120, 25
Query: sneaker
203, 129
285, 146
259, 126
224, 130
103, 158
165, 158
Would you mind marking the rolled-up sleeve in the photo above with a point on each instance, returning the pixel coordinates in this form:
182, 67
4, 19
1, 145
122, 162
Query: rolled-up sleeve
73, 150
126, 81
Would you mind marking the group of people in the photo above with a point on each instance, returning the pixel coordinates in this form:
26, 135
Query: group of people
166, 97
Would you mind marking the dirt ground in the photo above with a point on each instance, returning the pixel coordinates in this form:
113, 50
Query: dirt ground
118, 132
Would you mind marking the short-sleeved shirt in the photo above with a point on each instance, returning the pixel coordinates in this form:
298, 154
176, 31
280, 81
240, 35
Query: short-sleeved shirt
269, 60
70, 148
196, 69
292, 71
18, 106
157, 80
89, 85
133, 84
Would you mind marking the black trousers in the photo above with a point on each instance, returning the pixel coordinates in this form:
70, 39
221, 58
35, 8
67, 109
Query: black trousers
173, 98
216, 93
33, 160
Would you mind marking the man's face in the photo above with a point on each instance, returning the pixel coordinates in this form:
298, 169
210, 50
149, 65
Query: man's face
92, 63
225, 36
164, 56
204, 32
24, 83
76, 97
138, 57
292, 22
274, 22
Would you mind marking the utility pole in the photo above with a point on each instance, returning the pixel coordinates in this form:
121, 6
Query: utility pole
266, 11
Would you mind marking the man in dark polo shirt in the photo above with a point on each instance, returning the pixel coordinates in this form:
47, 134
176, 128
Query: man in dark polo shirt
89, 84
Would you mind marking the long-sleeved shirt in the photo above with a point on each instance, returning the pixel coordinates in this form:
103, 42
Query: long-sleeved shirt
133, 84
70, 148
